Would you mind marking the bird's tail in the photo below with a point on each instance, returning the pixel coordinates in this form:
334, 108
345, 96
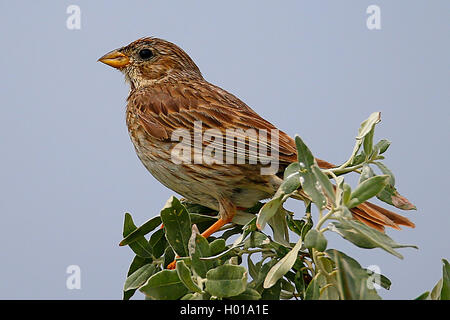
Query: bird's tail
378, 217
372, 215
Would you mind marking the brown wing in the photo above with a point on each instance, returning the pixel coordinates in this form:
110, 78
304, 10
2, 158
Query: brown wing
163, 109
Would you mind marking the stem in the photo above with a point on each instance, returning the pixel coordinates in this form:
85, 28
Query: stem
319, 263
344, 169
247, 251
310, 267
228, 226
320, 214
333, 175
324, 229
340, 170
324, 218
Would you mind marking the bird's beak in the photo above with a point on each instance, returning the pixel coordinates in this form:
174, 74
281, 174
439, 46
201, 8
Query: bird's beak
115, 59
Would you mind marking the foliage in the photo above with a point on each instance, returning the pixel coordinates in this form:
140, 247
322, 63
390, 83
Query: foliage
245, 262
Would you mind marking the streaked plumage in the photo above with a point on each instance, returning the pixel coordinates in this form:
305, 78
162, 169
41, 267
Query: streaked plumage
168, 93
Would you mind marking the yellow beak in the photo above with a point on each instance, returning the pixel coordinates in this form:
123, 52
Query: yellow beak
115, 59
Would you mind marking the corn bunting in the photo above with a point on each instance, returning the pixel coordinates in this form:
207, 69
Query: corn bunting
170, 97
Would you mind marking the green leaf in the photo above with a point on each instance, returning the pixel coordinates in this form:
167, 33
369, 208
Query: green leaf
164, 285
168, 257
311, 187
324, 182
135, 265
197, 208
351, 279
255, 209
196, 296
291, 169
199, 248
138, 233
424, 296
185, 276
128, 225
256, 239
445, 291
287, 286
364, 236
230, 232
436, 292
368, 142
313, 289
366, 173
178, 226
242, 217
140, 246
279, 227
315, 239
248, 294
384, 282
295, 225
308, 180
391, 196
197, 218
257, 283
308, 222
158, 242
367, 189
358, 159
299, 281
290, 184
267, 212
282, 266
272, 293
368, 124
217, 246
226, 281
304, 155
321, 286
329, 292
385, 170
291, 178
139, 277
382, 146
346, 194
253, 270
224, 255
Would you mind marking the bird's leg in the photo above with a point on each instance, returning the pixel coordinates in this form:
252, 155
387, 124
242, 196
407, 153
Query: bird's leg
172, 265
215, 227
227, 212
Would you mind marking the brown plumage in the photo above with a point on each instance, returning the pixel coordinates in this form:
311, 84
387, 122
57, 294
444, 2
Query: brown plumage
168, 93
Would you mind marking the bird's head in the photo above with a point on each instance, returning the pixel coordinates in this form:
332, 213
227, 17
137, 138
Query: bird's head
149, 60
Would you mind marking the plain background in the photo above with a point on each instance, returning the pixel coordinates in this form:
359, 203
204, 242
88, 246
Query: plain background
68, 171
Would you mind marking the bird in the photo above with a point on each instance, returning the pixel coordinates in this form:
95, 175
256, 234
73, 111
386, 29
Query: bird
168, 95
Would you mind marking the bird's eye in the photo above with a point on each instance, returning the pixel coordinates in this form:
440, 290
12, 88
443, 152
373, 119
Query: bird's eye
145, 54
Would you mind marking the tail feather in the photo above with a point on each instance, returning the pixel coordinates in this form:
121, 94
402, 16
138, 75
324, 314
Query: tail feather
373, 215
378, 217
369, 223
396, 218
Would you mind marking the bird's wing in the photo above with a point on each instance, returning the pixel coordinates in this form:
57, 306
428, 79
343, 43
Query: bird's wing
164, 109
